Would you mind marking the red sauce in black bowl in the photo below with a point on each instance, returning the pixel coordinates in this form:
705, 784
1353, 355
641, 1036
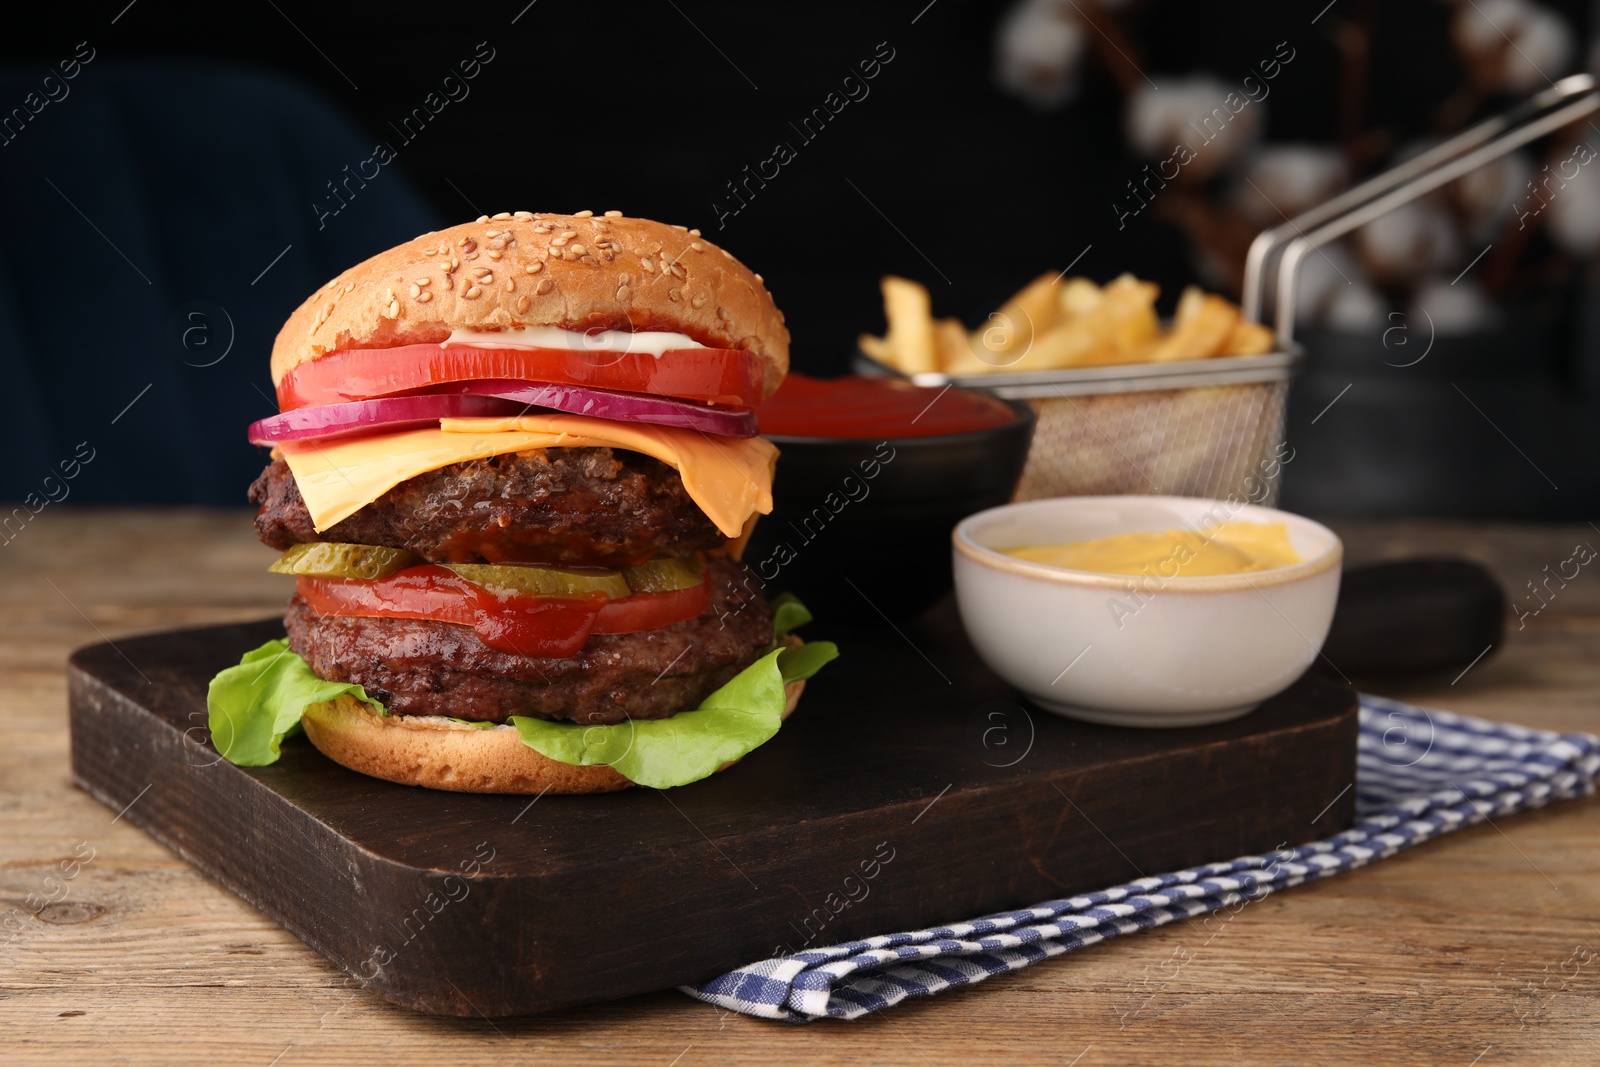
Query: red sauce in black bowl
860, 408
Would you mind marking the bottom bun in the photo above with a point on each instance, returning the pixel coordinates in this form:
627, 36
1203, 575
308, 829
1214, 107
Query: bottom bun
440, 753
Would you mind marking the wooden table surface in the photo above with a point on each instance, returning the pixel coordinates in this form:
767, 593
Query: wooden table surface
1482, 947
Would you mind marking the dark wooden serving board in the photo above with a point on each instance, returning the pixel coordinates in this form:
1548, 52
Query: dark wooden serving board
912, 786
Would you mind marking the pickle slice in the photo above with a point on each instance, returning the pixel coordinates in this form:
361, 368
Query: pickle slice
543, 581
331, 559
666, 575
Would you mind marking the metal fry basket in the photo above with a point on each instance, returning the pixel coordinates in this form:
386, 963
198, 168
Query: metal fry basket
1215, 427
1202, 427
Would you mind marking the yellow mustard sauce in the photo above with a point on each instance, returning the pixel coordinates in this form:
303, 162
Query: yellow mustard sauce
1231, 548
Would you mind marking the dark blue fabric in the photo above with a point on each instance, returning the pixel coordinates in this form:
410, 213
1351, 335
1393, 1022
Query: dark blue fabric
199, 176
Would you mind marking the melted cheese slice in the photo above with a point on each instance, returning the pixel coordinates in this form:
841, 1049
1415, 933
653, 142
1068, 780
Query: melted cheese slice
729, 478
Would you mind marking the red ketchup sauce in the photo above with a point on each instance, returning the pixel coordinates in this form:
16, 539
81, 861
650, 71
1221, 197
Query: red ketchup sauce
860, 407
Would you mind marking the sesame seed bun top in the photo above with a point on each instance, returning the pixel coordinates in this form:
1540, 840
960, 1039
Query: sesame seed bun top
573, 271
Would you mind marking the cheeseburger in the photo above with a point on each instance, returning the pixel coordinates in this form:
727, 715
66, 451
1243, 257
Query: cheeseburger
514, 466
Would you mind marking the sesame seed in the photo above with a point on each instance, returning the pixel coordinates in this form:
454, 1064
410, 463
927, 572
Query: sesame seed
472, 293
674, 295
494, 253
423, 298
613, 214
697, 246
694, 233
684, 229
533, 268
491, 233
722, 313
510, 285
522, 303
698, 300
584, 215
524, 215
569, 233
578, 250
557, 242
649, 266
624, 293
502, 215
482, 218
416, 291
393, 310
449, 283
759, 278
545, 286
423, 281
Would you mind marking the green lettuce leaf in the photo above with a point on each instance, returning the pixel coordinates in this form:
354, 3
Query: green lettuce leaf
252, 707
258, 703
788, 614
690, 745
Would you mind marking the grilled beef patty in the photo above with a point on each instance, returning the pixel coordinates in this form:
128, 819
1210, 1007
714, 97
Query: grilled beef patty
420, 667
567, 506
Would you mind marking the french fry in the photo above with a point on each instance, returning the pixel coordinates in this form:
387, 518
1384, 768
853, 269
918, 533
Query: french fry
1053, 325
1074, 343
1079, 296
1189, 302
1199, 330
1128, 308
880, 349
956, 355
1012, 329
1249, 339
907, 307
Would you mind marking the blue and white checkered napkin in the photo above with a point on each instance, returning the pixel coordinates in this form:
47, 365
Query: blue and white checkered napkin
1420, 773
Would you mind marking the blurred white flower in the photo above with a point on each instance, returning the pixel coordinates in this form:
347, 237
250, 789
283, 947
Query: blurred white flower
1214, 122
1282, 180
1323, 273
1453, 309
1486, 196
1523, 45
1573, 215
1408, 242
1040, 47
1355, 308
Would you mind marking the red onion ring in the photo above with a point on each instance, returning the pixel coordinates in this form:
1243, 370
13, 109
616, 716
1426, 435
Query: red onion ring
494, 398
385, 413
623, 407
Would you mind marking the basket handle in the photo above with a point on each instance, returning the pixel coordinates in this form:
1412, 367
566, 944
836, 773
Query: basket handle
1276, 254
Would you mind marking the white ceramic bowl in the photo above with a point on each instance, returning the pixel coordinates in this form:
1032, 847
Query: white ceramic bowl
1141, 651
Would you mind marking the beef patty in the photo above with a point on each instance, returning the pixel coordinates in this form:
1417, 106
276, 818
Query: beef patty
420, 667
573, 506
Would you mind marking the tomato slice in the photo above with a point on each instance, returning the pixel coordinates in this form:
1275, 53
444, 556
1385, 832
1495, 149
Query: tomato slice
525, 625
708, 375
645, 611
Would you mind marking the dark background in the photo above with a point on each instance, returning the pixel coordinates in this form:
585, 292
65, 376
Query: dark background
198, 144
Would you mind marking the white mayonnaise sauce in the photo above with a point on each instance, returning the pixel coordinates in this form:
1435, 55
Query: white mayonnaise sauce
655, 342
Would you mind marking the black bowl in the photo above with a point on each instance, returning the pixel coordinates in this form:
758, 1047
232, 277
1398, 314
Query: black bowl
861, 527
